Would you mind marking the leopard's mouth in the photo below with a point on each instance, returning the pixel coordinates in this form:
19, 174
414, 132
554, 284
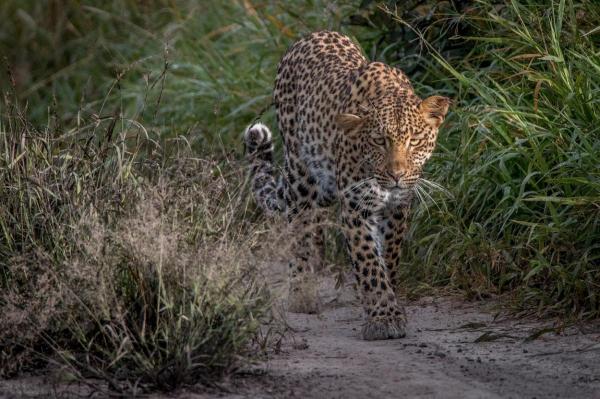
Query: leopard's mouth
392, 192
397, 186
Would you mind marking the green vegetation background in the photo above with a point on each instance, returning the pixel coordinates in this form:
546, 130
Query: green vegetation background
519, 154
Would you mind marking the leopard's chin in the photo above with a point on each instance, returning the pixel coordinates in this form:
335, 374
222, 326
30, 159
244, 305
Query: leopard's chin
397, 196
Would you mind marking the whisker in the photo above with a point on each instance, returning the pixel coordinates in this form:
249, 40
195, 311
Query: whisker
357, 185
435, 186
431, 199
423, 203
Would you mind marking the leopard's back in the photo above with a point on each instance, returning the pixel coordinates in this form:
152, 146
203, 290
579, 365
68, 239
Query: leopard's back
316, 68
313, 78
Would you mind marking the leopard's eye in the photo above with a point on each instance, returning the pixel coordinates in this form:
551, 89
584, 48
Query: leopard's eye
379, 141
417, 139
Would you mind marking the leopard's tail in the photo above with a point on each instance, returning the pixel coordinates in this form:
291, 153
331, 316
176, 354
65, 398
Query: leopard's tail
267, 184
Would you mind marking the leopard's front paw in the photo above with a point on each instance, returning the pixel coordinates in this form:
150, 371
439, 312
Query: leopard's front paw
380, 327
303, 298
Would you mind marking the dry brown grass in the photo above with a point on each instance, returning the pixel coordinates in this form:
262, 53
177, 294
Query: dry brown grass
133, 273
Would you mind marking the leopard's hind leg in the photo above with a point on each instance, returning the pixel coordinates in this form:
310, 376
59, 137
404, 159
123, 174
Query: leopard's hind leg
305, 221
292, 195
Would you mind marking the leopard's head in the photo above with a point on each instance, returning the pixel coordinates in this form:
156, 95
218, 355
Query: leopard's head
395, 136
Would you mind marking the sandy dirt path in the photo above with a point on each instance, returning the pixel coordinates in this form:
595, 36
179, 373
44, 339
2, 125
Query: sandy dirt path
453, 349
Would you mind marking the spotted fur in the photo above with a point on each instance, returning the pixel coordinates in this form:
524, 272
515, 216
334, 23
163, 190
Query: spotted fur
354, 132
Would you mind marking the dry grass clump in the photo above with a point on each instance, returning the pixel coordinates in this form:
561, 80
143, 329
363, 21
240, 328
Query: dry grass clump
121, 264
164, 310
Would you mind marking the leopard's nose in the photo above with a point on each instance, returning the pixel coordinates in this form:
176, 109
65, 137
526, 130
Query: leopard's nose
396, 176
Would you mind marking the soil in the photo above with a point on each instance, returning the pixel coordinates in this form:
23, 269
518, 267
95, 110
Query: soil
453, 349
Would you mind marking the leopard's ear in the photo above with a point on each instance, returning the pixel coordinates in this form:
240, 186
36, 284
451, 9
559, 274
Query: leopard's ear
348, 122
434, 109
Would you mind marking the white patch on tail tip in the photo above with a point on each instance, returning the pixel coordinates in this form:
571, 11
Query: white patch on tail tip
257, 134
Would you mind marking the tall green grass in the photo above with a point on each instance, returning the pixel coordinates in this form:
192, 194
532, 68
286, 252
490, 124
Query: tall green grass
520, 157
203, 69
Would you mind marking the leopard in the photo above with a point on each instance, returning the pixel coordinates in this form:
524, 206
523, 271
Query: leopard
355, 136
